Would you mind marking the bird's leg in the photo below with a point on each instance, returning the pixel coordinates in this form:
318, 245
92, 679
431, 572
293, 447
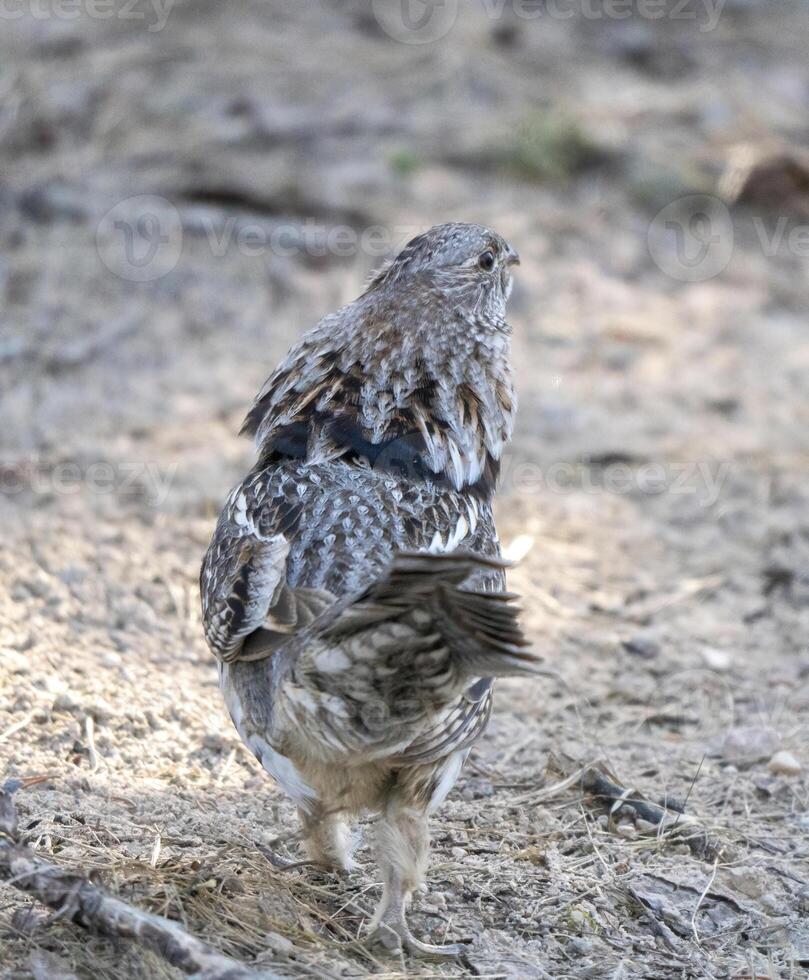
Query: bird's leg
402, 847
329, 840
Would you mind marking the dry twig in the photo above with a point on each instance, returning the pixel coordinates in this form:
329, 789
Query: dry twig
78, 900
600, 782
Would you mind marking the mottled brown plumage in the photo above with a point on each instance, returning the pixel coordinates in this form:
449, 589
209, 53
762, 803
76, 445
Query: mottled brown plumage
381, 432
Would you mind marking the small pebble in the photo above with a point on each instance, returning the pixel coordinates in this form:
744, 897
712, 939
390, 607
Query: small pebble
642, 646
101, 710
771, 903
65, 702
21, 642
784, 763
14, 662
577, 917
53, 684
719, 660
279, 944
458, 853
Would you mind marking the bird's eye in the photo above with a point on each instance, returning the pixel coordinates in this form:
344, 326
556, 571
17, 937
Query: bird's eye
486, 261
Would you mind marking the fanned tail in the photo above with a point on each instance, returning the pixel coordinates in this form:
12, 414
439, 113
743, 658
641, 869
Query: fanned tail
480, 629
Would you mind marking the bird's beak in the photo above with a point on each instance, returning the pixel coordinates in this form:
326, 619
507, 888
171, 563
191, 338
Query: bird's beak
512, 256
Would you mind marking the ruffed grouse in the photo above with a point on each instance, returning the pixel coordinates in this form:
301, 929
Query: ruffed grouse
358, 676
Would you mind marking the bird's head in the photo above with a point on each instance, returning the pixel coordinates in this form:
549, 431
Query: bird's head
470, 266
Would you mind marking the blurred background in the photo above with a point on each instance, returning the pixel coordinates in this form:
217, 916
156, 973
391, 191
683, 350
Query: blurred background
185, 187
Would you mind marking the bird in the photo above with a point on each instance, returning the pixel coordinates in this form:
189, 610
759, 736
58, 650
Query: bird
366, 698
380, 434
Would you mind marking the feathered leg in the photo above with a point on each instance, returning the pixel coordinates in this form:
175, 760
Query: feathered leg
329, 840
402, 848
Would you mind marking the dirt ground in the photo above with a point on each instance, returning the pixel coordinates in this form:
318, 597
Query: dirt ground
657, 485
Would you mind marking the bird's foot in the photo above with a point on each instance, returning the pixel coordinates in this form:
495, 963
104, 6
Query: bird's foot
395, 937
341, 868
278, 862
284, 864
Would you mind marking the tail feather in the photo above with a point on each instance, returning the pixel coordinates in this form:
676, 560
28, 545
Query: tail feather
481, 629
489, 638
416, 642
